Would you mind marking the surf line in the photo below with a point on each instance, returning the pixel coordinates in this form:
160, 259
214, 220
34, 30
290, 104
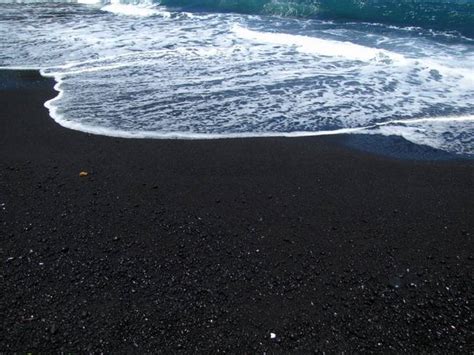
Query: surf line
61, 120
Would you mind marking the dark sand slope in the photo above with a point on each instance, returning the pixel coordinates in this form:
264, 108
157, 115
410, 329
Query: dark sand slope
213, 245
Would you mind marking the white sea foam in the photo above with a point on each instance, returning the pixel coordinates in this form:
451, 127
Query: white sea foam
89, 2
135, 10
452, 134
318, 46
209, 76
51, 105
412, 130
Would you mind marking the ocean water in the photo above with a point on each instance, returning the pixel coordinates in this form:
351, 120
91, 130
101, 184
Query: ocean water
230, 68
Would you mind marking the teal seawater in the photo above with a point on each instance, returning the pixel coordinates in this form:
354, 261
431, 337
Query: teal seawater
446, 15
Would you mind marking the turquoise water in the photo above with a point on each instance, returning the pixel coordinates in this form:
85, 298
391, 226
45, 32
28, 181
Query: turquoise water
454, 15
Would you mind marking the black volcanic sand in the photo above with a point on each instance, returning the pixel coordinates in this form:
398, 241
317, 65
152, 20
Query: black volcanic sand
212, 245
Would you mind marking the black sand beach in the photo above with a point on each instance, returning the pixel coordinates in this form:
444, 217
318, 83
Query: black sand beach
211, 246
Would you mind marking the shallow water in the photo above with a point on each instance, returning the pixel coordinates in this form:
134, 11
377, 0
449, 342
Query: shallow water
148, 70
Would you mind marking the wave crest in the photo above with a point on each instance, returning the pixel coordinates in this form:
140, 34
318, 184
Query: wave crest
451, 15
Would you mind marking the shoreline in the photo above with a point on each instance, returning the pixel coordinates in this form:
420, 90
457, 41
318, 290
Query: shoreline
394, 147
207, 245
